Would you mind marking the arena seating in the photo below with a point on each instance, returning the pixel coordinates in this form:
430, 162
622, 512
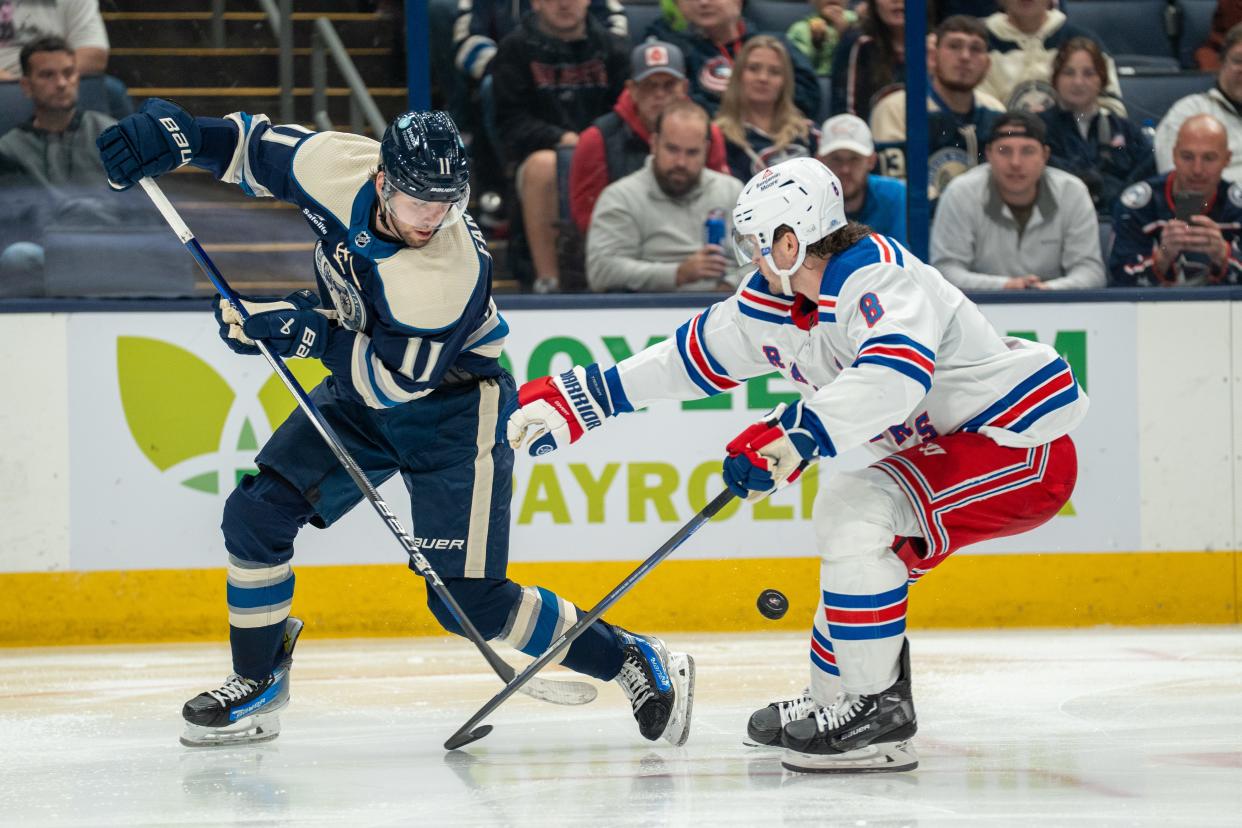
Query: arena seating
1149, 95
1133, 31
640, 16
776, 16
1196, 23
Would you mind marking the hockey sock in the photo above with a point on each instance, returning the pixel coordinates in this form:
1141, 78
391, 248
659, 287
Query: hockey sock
541, 616
261, 519
529, 619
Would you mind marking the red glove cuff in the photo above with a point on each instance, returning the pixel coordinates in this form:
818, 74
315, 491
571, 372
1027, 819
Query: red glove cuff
755, 437
546, 390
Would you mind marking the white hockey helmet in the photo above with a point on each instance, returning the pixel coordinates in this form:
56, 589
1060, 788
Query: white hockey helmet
801, 194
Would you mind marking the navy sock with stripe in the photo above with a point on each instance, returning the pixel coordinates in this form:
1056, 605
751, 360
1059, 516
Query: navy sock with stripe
261, 518
529, 619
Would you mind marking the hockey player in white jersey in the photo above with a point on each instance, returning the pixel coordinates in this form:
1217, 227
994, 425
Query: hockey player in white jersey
416, 388
972, 428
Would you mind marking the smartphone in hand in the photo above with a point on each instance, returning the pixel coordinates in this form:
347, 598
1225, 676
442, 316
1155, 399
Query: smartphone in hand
1187, 204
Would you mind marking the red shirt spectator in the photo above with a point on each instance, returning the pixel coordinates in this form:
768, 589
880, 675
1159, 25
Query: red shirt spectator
618, 143
1228, 14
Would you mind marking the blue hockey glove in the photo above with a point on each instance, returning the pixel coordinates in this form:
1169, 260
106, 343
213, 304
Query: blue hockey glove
768, 455
156, 139
291, 327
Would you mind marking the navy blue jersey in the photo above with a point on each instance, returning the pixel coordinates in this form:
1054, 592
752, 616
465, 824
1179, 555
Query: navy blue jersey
406, 317
1139, 217
1112, 155
955, 142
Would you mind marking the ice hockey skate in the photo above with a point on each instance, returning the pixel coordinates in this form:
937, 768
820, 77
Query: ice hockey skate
857, 734
765, 725
659, 685
242, 711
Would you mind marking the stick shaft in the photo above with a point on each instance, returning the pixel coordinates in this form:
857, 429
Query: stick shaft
566, 638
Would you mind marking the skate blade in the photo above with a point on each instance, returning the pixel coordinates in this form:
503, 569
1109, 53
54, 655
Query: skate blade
560, 692
251, 730
681, 668
891, 757
759, 746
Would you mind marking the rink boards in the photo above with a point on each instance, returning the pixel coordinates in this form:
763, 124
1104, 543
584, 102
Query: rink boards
127, 429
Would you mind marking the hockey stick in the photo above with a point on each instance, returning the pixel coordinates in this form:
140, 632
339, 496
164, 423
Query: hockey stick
467, 733
557, 692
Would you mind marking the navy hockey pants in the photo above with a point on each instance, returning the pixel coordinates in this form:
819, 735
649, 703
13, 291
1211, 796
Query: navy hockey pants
449, 449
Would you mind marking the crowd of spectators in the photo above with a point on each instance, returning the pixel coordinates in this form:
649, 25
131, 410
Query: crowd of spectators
618, 163
1031, 155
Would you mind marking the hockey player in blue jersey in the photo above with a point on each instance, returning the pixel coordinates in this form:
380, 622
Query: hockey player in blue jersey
411, 337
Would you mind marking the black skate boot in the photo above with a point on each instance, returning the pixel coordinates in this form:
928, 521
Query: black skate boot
857, 734
242, 711
765, 726
660, 686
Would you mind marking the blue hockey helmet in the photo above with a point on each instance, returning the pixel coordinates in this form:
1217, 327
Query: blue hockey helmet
426, 170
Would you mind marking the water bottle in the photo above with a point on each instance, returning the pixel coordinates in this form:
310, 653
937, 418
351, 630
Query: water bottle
714, 227
1149, 129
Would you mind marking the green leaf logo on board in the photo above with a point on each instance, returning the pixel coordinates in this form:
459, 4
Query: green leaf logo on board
188, 421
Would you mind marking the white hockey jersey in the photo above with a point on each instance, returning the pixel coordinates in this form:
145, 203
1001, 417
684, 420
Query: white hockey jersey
891, 355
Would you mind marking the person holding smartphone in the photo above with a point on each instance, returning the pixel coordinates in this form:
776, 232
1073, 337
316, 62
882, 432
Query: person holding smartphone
1184, 227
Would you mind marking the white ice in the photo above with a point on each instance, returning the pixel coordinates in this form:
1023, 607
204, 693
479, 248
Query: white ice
1068, 727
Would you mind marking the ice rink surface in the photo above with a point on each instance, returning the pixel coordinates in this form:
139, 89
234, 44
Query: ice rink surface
1073, 727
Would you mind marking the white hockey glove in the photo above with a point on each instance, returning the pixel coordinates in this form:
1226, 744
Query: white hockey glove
558, 410
768, 455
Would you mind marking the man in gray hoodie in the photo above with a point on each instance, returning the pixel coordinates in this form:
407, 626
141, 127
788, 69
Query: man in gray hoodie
1015, 223
647, 232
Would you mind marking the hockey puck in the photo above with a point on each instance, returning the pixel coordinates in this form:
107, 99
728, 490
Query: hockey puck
772, 604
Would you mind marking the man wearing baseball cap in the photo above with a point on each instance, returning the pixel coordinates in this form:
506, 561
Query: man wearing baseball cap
1015, 223
617, 143
846, 148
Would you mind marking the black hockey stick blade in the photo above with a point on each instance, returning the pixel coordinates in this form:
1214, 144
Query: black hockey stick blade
468, 732
460, 740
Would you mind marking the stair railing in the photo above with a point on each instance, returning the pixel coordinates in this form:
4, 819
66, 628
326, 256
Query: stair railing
325, 40
280, 18
281, 21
